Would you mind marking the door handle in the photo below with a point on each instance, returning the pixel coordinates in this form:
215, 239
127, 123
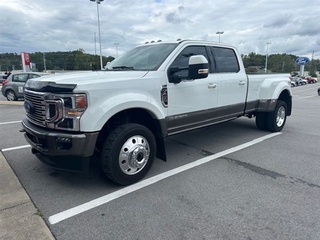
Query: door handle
242, 83
212, 85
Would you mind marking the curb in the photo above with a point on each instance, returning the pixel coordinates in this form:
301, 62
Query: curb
19, 218
17, 103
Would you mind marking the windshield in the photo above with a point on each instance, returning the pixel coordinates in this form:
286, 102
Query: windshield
143, 58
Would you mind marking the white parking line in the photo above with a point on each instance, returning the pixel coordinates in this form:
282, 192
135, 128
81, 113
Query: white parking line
15, 148
308, 96
302, 90
10, 122
124, 191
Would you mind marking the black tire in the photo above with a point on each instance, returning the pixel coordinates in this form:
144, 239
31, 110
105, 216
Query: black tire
319, 91
11, 96
261, 121
128, 153
277, 119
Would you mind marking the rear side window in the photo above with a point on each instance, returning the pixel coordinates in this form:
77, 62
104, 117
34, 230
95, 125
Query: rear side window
20, 78
225, 59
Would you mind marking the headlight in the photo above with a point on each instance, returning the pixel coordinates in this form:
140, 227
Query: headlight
63, 111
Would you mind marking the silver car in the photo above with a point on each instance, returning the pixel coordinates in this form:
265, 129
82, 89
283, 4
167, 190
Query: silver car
13, 86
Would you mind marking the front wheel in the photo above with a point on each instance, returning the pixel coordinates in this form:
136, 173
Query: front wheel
128, 153
277, 118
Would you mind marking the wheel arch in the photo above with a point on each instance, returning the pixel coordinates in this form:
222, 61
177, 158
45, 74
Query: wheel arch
140, 116
287, 98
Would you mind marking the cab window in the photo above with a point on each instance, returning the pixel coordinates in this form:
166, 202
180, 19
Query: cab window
182, 60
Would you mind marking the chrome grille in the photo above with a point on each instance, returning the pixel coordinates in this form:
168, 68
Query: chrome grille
38, 115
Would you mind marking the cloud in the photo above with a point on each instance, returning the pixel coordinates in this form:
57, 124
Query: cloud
59, 25
278, 21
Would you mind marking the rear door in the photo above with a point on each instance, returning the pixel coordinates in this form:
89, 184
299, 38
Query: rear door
18, 81
231, 82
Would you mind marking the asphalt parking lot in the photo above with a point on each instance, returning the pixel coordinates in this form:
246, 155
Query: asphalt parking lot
228, 181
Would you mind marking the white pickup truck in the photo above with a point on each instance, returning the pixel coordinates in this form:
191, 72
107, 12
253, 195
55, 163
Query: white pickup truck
153, 91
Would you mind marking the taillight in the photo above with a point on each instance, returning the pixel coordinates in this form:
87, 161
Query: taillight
4, 82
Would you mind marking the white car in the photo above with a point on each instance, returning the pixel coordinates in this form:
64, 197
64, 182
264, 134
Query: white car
299, 81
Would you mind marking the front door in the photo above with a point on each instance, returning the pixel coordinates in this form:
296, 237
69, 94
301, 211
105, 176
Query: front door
190, 102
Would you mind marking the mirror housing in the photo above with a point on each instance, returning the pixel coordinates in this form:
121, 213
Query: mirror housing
198, 67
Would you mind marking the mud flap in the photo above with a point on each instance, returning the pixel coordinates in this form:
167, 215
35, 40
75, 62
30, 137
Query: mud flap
161, 149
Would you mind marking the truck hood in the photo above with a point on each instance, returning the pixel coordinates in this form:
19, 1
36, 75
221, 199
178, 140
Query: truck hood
68, 81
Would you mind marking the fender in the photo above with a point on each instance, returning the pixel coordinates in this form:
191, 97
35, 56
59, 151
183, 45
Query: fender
270, 92
104, 108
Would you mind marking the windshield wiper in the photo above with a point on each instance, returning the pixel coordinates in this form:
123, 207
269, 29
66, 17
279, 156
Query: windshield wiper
123, 68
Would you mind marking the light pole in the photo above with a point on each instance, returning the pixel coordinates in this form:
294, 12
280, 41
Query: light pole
117, 44
95, 44
265, 69
219, 34
98, 2
44, 62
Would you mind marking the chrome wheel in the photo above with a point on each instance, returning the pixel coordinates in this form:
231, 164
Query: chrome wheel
128, 153
134, 155
281, 116
277, 118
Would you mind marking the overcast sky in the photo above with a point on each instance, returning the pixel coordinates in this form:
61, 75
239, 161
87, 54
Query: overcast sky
291, 26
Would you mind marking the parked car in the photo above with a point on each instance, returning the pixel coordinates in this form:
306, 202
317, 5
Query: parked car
147, 94
319, 91
299, 81
311, 79
13, 86
2, 78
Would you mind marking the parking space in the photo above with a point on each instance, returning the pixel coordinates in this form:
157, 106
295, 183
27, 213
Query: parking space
228, 181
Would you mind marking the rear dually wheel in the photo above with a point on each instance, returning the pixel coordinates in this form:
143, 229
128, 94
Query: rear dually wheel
277, 119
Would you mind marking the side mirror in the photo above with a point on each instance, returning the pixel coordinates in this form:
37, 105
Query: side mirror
198, 67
